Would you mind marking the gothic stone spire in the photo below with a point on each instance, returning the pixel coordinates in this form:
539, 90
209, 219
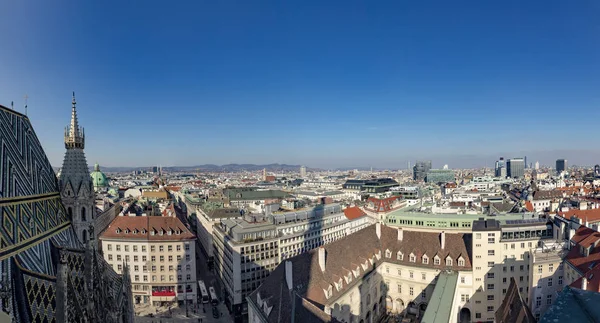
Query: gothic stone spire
74, 135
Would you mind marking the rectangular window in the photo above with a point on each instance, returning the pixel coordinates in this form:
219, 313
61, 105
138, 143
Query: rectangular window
127, 248
143, 248
490, 275
551, 267
410, 274
118, 247
491, 252
153, 258
152, 248
136, 268
477, 235
477, 315
118, 257
187, 247
411, 291
464, 298
462, 279
549, 299
540, 269
549, 282
424, 294
490, 297
490, 308
178, 247
135, 258
490, 286
162, 258
169, 248
135, 248
560, 280
137, 278
187, 257
490, 264
109, 247
399, 289
423, 276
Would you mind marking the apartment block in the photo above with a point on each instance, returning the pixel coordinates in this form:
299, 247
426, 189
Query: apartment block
247, 250
160, 253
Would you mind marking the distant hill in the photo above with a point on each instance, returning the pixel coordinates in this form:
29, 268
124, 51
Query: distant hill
208, 168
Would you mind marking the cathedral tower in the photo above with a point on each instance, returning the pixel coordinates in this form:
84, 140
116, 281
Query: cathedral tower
75, 183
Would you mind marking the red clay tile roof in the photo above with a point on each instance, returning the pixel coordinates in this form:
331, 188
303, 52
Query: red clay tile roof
529, 206
593, 278
353, 212
382, 205
131, 228
592, 215
584, 237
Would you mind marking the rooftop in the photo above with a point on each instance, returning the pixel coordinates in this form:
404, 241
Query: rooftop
574, 305
440, 304
150, 228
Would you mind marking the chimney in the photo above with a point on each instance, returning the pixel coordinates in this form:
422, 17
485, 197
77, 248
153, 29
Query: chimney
288, 275
378, 230
400, 234
443, 239
322, 258
584, 283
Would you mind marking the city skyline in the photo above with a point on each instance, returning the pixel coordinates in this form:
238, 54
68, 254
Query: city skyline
329, 86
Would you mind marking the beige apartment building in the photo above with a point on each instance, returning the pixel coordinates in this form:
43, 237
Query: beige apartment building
160, 253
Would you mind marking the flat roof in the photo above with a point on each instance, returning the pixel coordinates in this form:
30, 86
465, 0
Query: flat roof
440, 304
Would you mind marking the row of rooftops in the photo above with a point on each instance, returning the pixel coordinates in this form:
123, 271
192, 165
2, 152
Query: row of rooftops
322, 275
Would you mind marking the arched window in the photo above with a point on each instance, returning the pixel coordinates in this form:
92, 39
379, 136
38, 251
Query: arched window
70, 212
84, 236
83, 214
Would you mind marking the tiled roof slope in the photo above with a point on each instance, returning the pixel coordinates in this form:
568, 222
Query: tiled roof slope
345, 255
353, 212
141, 227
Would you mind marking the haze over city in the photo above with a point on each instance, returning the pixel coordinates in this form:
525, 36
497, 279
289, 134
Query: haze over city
337, 84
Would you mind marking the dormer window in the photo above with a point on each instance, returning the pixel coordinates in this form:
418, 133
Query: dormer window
400, 255
448, 261
118, 230
162, 231
143, 231
412, 258
436, 260
153, 232
461, 262
169, 232
126, 231
178, 231
388, 253
425, 260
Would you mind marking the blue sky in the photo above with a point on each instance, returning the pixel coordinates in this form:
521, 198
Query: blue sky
320, 83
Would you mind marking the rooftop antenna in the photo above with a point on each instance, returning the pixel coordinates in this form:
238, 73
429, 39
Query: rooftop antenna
26, 97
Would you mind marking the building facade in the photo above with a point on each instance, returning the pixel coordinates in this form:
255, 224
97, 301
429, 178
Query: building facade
420, 170
360, 278
247, 250
515, 168
160, 253
561, 165
440, 176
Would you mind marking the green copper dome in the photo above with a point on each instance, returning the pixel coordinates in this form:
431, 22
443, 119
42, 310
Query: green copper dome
98, 178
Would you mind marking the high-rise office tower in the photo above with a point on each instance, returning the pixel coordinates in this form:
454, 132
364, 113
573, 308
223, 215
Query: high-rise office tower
420, 169
302, 171
515, 167
537, 165
525, 159
561, 165
500, 168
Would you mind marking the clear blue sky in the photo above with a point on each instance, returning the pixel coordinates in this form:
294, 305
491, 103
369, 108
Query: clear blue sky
320, 83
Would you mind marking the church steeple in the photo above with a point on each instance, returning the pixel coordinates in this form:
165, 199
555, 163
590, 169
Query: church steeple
74, 135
